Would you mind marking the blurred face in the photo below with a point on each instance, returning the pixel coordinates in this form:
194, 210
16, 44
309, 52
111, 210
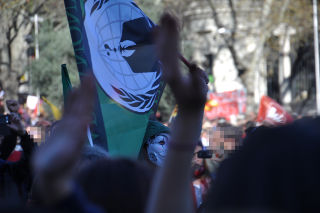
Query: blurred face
217, 140
229, 144
195, 159
12, 105
197, 164
221, 141
35, 133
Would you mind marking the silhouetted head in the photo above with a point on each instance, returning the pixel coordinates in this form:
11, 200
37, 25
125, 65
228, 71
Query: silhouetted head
276, 169
117, 185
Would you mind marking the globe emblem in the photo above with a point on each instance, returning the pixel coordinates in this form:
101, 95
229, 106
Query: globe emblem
122, 55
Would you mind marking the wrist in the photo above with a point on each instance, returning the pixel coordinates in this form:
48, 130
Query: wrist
181, 147
191, 109
190, 114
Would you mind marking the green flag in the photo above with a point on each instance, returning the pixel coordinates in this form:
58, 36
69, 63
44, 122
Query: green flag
66, 83
112, 39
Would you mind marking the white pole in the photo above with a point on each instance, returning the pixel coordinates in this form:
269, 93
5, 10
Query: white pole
36, 32
38, 104
316, 52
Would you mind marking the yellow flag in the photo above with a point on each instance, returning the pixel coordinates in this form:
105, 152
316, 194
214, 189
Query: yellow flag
55, 111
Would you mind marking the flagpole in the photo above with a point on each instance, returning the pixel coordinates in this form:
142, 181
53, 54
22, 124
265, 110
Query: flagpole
185, 61
316, 53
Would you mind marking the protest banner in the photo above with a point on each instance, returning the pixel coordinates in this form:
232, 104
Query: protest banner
225, 104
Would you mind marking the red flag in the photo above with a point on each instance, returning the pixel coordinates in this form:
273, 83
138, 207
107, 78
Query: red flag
273, 113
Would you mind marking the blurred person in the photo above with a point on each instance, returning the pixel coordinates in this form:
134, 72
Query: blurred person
154, 152
171, 190
159, 116
13, 106
36, 133
91, 154
15, 177
224, 140
205, 138
8, 130
276, 170
155, 144
55, 161
117, 185
23, 111
248, 128
33, 117
200, 175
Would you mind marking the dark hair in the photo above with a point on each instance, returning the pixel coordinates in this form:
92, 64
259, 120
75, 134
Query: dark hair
230, 131
91, 154
117, 185
277, 169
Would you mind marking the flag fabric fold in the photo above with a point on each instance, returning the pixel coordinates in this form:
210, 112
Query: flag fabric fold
66, 83
54, 109
112, 39
272, 112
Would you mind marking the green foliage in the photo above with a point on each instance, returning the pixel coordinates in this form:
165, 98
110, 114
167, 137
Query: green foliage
55, 49
152, 8
166, 104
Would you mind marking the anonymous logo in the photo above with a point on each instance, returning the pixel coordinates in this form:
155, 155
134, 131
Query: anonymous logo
122, 53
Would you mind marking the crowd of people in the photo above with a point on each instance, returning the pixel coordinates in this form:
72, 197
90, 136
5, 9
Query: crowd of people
221, 168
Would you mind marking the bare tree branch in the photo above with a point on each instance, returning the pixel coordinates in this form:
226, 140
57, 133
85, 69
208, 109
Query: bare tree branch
215, 14
234, 17
229, 40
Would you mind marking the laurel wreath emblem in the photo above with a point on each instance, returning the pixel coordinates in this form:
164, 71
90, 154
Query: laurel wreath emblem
141, 101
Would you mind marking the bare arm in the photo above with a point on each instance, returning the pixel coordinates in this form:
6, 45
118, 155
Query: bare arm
54, 162
172, 187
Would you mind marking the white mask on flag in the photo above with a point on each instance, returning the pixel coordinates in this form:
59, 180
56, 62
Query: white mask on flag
157, 148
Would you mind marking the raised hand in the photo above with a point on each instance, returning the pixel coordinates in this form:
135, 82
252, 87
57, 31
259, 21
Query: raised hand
171, 191
55, 160
190, 91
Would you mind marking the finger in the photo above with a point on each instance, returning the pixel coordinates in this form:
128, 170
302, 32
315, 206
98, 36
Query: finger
200, 72
203, 75
169, 22
81, 101
88, 95
168, 32
88, 88
199, 83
